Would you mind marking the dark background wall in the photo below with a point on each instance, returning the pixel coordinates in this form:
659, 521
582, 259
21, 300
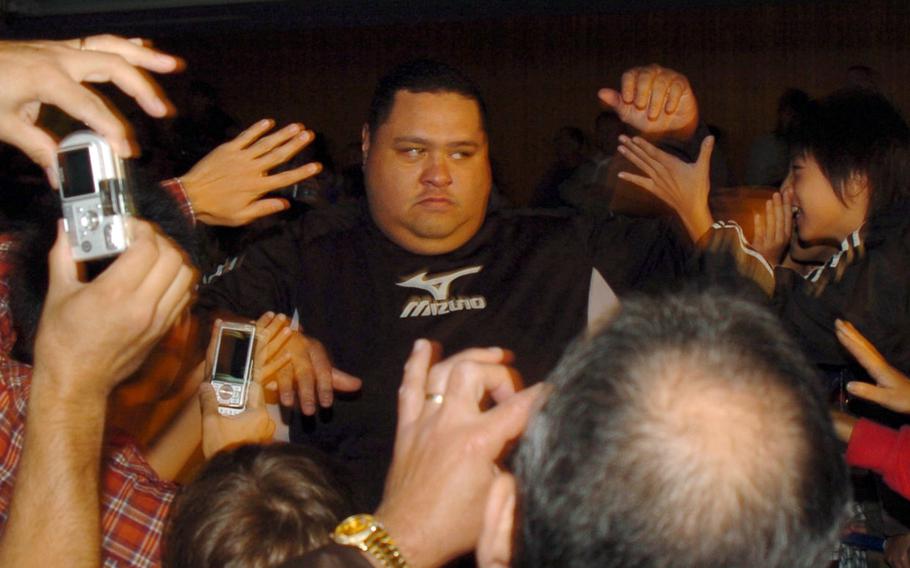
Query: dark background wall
540, 69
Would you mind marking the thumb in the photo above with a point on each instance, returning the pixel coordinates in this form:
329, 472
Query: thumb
707, 148
611, 98
208, 402
35, 142
63, 274
344, 382
508, 420
869, 392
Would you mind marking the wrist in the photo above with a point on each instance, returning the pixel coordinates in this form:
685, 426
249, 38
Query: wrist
372, 538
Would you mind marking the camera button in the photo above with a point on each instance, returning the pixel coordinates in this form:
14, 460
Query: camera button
89, 221
86, 246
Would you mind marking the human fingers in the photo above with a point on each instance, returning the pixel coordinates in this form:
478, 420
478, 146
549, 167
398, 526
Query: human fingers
81, 103
471, 380
208, 401
872, 393
179, 296
345, 382
129, 271
778, 206
787, 205
704, 153
37, 144
864, 352
101, 67
63, 275
286, 150
507, 420
136, 51
289, 177
256, 210
263, 373
268, 143
675, 94
628, 84
251, 134
635, 153
643, 182
322, 368
611, 98
412, 392
759, 232
659, 93
162, 275
285, 379
441, 372
643, 88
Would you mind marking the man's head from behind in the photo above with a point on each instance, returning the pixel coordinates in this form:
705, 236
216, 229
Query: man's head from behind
426, 161
687, 433
254, 506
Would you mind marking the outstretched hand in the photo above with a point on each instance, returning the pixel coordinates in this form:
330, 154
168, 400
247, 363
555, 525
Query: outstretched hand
681, 185
53, 72
656, 101
892, 388
226, 187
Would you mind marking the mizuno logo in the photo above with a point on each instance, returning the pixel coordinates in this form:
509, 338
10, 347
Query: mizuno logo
440, 304
438, 285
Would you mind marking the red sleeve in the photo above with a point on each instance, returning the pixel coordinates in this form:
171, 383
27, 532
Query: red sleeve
884, 451
175, 188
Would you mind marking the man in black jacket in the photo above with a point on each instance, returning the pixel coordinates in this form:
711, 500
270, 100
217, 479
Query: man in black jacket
428, 257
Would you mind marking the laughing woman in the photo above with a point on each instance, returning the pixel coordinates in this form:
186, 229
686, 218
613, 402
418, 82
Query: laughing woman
848, 186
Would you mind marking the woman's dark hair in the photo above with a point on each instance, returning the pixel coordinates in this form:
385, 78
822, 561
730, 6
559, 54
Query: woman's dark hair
857, 133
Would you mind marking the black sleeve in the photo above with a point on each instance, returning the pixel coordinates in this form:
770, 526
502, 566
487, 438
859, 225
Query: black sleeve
259, 279
329, 556
639, 254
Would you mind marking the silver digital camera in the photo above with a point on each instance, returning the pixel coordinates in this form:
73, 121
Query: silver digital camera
94, 195
232, 369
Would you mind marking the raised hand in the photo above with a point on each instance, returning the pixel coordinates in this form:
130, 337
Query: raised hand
252, 426
93, 335
226, 186
892, 389
774, 229
681, 185
656, 101
446, 444
52, 72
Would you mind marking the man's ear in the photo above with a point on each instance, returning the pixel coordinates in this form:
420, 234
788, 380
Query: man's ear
365, 143
494, 548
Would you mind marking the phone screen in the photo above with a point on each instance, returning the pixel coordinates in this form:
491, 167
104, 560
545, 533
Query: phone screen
232, 356
75, 173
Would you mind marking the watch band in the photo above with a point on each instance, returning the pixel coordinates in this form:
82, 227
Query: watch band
367, 534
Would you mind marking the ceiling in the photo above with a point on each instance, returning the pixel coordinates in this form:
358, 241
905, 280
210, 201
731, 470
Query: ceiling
48, 16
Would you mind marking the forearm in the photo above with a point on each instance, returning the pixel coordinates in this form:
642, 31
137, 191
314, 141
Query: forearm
172, 450
55, 511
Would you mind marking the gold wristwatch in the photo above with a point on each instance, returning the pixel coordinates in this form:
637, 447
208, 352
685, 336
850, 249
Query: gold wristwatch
366, 533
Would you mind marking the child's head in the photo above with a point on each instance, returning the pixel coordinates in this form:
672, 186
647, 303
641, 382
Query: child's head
254, 506
851, 161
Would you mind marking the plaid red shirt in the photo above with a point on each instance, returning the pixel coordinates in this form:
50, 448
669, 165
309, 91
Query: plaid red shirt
134, 501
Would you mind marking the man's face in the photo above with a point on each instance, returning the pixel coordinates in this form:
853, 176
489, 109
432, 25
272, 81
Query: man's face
427, 172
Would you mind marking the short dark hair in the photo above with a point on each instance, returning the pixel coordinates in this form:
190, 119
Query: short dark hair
689, 432
33, 240
421, 76
858, 132
254, 506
